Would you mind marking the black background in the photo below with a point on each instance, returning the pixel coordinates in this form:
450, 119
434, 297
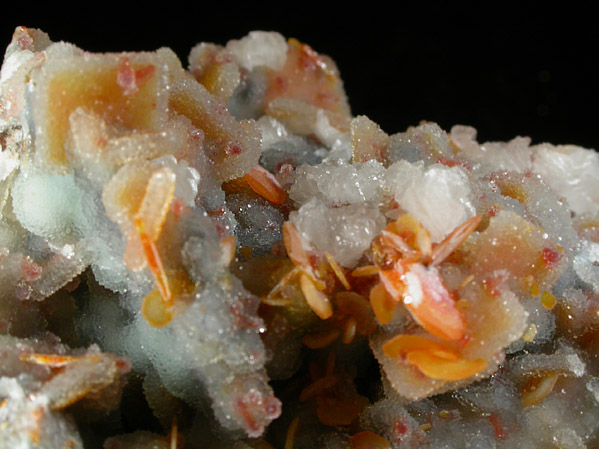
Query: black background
507, 73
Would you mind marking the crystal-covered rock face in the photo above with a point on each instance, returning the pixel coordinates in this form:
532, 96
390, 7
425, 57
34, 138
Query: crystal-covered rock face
225, 257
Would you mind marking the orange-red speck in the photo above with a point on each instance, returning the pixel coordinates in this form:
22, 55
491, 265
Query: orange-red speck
550, 257
497, 426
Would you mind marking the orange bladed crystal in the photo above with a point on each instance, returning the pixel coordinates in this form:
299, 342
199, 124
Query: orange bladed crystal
266, 185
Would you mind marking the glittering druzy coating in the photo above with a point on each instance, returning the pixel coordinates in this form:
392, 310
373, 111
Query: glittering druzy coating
223, 256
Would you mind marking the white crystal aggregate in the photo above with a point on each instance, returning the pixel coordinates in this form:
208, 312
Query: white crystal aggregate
338, 184
9, 161
345, 231
187, 178
514, 155
336, 141
571, 172
228, 253
438, 196
593, 387
259, 48
44, 204
586, 264
273, 131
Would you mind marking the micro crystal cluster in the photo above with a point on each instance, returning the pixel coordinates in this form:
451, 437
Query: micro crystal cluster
222, 256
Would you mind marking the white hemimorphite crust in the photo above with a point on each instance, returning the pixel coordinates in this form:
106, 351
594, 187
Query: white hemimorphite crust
103, 121
44, 204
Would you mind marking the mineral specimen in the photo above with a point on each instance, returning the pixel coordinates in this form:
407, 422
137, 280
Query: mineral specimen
224, 257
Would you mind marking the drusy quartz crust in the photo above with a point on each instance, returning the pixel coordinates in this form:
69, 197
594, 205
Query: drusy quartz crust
216, 253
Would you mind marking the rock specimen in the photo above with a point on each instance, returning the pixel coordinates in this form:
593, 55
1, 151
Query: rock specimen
223, 256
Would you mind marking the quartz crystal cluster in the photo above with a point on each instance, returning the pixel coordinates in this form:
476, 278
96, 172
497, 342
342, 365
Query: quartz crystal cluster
218, 254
